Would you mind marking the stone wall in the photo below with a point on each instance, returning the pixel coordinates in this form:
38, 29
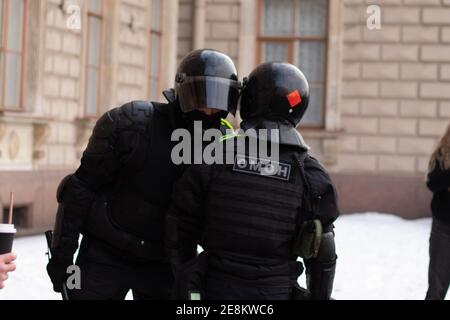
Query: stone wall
220, 26
396, 96
62, 93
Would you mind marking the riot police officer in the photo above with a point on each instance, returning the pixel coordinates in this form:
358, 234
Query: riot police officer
118, 197
253, 226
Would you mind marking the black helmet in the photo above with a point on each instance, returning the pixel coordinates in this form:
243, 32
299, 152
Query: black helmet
207, 78
275, 91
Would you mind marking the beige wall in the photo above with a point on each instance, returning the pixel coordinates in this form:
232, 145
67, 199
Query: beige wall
396, 89
133, 48
220, 26
62, 91
132, 51
223, 26
52, 131
44, 134
185, 27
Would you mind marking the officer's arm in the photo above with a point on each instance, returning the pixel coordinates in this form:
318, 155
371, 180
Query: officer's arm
99, 166
322, 191
320, 270
184, 221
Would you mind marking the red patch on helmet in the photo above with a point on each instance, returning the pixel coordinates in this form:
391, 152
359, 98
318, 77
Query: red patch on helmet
294, 98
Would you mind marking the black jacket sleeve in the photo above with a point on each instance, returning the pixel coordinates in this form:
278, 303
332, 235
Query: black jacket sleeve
184, 220
437, 178
323, 194
320, 270
101, 162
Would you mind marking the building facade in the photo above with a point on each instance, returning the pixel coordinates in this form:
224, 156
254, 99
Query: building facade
380, 88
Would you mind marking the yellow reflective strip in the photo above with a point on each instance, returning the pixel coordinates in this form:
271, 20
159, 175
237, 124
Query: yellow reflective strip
226, 137
229, 136
225, 123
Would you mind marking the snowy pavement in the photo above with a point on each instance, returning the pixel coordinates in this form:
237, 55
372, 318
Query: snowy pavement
380, 257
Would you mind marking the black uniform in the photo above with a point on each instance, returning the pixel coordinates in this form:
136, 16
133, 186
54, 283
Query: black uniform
251, 224
438, 181
119, 195
247, 224
117, 200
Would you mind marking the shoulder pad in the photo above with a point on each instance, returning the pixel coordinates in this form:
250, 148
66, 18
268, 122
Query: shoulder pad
291, 137
317, 176
108, 123
135, 112
321, 185
61, 187
312, 162
138, 112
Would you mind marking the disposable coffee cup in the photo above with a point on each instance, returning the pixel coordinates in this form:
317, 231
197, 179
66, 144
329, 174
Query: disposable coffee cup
7, 232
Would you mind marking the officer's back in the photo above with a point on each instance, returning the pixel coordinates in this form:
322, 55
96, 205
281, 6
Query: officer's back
249, 214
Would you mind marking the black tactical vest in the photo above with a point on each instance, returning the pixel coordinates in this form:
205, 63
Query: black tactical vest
252, 213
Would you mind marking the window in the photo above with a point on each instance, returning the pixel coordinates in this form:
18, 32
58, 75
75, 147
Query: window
94, 57
296, 31
155, 50
12, 52
21, 214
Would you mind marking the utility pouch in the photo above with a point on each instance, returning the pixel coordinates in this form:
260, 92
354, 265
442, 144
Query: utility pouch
307, 242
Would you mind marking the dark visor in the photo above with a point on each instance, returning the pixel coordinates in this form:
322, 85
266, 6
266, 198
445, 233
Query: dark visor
208, 92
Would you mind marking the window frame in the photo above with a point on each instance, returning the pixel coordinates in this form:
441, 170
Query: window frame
23, 54
101, 67
159, 33
291, 40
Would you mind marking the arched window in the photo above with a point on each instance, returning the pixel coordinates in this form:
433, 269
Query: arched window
94, 57
12, 53
295, 31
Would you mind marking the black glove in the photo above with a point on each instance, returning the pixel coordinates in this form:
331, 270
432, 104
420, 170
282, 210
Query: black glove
57, 271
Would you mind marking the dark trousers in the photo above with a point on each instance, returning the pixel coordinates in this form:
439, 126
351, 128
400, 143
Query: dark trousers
106, 275
439, 268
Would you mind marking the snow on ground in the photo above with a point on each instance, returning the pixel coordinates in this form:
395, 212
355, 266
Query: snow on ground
380, 257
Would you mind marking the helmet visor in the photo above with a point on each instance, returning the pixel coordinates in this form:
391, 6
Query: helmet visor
200, 92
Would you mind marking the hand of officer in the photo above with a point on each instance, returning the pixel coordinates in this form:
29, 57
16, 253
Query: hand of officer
6, 265
57, 270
